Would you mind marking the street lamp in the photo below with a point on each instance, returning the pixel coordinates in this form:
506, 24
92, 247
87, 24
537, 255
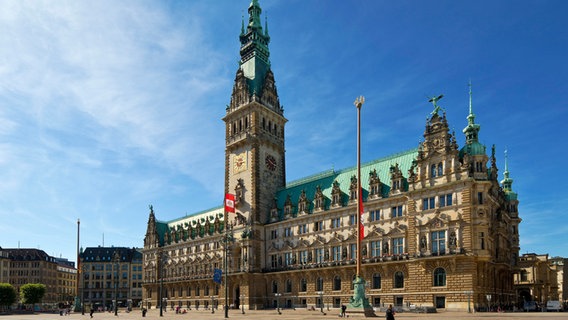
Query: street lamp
468, 293
82, 289
212, 305
321, 300
162, 257
488, 302
277, 295
116, 261
243, 303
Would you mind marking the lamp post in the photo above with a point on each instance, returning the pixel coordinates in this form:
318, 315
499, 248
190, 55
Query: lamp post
82, 289
277, 295
488, 302
116, 261
468, 293
212, 305
243, 303
321, 300
162, 258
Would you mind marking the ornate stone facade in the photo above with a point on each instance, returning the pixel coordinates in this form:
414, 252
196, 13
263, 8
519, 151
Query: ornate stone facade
440, 230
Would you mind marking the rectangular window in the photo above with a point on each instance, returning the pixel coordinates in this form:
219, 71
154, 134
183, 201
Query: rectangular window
375, 248
398, 246
480, 198
482, 241
336, 253
303, 228
375, 215
318, 225
287, 258
439, 242
353, 251
273, 260
288, 232
335, 223
396, 212
319, 255
445, 200
352, 220
303, 257
273, 234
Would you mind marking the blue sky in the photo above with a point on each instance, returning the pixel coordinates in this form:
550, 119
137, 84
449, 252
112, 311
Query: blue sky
109, 106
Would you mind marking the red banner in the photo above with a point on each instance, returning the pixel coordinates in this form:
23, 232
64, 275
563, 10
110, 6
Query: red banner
361, 226
230, 203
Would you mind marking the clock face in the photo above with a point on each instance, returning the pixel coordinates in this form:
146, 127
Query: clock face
270, 163
239, 163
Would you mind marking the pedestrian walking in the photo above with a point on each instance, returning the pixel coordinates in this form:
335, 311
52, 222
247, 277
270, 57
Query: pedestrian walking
390, 313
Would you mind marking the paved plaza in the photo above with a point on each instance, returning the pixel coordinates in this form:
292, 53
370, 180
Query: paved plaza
286, 314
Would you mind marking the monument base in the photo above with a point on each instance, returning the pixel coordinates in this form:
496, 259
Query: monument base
359, 304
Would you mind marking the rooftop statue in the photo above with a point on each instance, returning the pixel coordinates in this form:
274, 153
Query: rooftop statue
434, 101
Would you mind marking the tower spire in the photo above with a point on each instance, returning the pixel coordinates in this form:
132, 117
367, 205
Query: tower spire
254, 51
507, 182
472, 129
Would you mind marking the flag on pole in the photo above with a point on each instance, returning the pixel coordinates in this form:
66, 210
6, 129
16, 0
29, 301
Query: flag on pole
230, 203
361, 226
217, 273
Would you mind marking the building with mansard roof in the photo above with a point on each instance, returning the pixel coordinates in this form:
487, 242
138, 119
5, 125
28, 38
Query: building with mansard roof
439, 228
21, 266
110, 274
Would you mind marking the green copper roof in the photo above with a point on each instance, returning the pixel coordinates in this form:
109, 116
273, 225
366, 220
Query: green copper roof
325, 179
254, 51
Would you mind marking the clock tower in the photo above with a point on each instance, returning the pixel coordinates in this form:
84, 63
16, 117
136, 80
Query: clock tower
254, 135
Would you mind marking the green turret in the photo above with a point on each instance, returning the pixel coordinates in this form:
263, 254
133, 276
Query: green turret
472, 146
507, 182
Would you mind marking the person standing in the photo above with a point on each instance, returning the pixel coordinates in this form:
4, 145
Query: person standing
390, 313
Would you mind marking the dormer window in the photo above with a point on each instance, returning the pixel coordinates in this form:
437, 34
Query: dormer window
353, 189
374, 184
319, 199
303, 202
335, 194
288, 206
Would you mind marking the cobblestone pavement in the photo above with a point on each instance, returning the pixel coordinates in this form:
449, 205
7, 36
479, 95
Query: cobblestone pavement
286, 314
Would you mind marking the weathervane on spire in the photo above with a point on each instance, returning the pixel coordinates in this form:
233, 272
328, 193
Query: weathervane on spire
434, 101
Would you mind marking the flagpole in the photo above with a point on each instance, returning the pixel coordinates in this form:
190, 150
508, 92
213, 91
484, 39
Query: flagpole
358, 104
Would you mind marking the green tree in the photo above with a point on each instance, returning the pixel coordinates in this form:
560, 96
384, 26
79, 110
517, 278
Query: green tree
8, 295
31, 293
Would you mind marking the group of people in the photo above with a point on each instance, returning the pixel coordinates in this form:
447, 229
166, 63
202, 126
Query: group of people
389, 314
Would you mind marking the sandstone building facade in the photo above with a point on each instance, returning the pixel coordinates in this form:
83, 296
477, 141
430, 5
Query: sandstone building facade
440, 229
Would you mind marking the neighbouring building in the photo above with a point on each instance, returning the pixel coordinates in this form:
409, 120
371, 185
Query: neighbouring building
536, 279
109, 274
35, 266
4, 266
439, 228
560, 264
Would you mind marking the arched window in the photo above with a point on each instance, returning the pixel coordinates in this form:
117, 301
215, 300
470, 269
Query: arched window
319, 284
274, 286
353, 281
440, 169
303, 285
206, 290
433, 171
289, 285
376, 281
197, 293
337, 283
439, 277
399, 279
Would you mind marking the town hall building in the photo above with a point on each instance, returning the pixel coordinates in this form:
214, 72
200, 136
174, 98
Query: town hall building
441, 230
